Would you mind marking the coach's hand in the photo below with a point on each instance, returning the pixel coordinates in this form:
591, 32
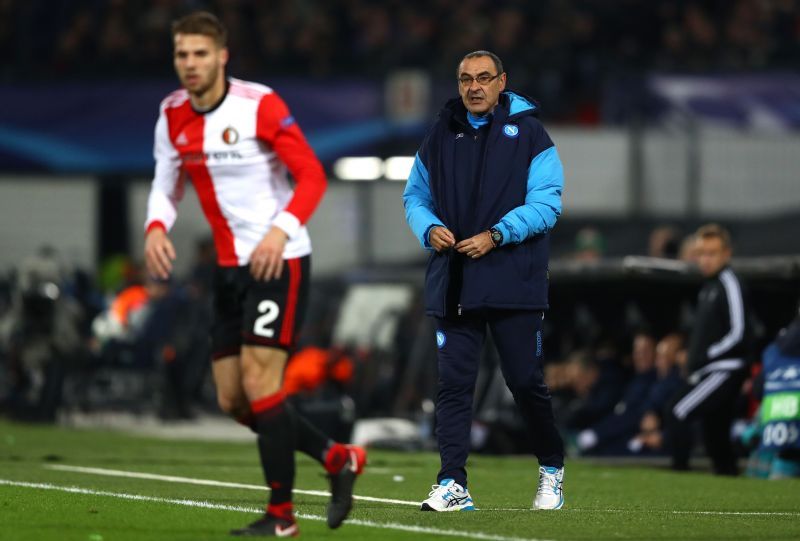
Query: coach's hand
266, 262
440, 238
158, 253
477, 246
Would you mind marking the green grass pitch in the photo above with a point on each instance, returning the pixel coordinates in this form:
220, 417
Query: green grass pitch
43, 497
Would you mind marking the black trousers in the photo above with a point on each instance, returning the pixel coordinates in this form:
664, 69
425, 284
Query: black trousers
712, 403
517, 334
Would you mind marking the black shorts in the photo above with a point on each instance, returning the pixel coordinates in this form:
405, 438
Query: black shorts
256, 313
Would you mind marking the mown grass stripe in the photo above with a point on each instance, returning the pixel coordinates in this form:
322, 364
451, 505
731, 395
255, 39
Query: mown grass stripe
208, 482
208, 505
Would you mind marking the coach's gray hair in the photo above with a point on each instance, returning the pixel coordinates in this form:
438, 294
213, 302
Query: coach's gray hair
498, 64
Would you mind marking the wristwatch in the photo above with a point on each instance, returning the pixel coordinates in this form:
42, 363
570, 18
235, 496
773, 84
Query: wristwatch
496, 235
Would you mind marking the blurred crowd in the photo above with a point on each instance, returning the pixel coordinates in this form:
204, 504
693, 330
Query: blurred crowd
562, 52
115, 340
615, 401
120, 340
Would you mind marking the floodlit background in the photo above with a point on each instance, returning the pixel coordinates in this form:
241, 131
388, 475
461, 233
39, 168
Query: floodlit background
667, 114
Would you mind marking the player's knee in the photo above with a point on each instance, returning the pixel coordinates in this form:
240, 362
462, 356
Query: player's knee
259, 381
232, 404
262, 372
260, 385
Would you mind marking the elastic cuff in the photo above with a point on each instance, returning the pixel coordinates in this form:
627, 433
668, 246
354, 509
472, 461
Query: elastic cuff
427, 235
287, 222
155, 224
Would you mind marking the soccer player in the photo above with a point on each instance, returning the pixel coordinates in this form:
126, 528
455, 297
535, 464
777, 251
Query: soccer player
483, 194
235, 141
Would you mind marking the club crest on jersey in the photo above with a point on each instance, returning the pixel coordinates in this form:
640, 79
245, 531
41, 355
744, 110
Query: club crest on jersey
230, 135
511, 130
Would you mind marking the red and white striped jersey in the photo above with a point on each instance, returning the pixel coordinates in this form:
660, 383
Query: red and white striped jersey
236, 156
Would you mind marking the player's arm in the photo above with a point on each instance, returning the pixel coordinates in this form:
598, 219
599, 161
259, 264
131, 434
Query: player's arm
420, 210
276, 126
542, 205
162, 203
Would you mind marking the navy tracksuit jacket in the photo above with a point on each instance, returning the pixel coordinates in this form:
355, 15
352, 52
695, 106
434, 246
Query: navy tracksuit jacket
470, 178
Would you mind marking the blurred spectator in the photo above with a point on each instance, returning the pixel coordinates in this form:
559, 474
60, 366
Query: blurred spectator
669, 352
664, 242
589, 245
41, 334
689, 249
611, 434
597, 383
650, 438
123, 319
158, 327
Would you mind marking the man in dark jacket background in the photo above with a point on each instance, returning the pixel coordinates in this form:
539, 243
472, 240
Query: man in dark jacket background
483, 194
719, 352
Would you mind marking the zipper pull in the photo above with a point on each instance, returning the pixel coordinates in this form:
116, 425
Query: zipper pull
459, 309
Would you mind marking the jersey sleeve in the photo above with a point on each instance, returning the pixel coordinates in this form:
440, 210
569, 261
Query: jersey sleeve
167, 187
276, 126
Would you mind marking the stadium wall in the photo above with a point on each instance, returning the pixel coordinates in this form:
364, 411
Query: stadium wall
721, 175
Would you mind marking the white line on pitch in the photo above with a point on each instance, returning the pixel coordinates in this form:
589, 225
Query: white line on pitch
208, 482
209, 505
656, 511
322, 493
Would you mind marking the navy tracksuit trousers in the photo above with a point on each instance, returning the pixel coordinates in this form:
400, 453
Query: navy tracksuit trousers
517, 334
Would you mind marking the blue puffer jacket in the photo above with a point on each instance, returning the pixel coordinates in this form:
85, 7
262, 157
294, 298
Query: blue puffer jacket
507, 175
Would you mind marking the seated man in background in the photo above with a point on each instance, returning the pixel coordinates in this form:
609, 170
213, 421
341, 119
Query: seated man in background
611, 434
650, 438
589, 385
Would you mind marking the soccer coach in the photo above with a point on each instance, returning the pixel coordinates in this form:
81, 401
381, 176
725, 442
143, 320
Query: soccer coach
483, 193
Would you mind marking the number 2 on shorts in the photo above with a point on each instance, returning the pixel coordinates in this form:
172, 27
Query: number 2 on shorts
269, 311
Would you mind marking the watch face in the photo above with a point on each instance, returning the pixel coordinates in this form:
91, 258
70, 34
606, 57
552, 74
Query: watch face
496, 236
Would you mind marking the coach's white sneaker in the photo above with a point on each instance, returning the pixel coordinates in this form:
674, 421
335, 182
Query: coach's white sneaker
448, 496
549, 494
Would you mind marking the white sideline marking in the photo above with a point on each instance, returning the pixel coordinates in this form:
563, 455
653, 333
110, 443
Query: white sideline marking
208, 482
209, 505
662, 511
138, 497
748, 513
322, 493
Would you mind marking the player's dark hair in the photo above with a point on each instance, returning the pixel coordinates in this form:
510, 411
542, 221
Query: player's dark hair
715, 231
498, 64
204, 23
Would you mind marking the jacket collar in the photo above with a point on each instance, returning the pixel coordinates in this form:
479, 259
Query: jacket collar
511, 106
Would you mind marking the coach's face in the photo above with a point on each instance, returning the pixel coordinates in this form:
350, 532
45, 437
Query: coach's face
199, 62
712, 255
480, 98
